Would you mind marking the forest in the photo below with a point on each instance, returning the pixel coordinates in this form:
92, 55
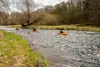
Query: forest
81, 12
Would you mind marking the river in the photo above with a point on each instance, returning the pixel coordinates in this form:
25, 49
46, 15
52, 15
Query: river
78, 49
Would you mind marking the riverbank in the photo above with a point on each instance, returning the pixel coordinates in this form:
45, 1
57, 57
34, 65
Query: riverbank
64, 27
15, 52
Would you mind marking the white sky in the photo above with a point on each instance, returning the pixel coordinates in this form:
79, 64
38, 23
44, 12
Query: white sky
48, 2
41, 3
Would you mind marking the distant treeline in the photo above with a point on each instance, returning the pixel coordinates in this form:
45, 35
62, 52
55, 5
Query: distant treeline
83, 12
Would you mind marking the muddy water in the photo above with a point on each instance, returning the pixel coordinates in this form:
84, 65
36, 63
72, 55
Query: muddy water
78, 49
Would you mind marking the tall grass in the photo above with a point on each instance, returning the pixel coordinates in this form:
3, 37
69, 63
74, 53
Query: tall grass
15, 52
71, 27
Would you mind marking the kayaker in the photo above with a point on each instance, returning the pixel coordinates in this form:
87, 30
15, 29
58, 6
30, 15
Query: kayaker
17, 29
34, 29
62, 33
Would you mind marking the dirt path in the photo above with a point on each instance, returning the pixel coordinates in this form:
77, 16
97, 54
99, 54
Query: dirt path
78, 49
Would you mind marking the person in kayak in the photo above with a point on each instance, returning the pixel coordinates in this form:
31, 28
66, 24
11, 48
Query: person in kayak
17, 29
34, 29
62, 33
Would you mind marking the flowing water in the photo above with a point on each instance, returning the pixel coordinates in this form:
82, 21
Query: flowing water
78, 49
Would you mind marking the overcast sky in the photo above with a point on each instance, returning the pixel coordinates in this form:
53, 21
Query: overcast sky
48, 2
40, 3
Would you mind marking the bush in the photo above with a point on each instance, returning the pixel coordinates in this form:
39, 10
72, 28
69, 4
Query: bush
49, 19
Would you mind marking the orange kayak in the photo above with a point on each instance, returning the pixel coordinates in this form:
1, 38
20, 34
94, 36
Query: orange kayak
65, 34
35, 31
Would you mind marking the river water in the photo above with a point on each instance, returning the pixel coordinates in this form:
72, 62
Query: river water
78, 49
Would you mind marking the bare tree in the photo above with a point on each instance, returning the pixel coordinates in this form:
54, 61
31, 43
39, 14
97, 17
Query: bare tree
4, 5
4, 9
27, 7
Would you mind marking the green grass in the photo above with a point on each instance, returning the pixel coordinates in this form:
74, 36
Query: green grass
65, 27
15, 52
72, 27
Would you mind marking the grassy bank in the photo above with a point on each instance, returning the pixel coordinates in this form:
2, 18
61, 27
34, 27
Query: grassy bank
15, 52
65, 27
